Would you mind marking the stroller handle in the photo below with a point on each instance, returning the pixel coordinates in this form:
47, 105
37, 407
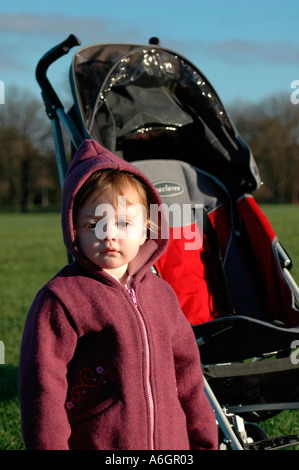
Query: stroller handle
41, 69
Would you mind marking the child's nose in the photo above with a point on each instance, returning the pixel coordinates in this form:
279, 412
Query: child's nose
111, 233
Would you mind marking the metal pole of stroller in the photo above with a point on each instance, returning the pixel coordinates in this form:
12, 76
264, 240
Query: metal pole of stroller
292, 284
59, 149
222, 419
286, 265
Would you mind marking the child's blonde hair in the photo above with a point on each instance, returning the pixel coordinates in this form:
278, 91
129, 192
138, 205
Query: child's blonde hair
116, 183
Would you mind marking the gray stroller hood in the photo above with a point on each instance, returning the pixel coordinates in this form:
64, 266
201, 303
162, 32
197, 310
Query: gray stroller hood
146, 101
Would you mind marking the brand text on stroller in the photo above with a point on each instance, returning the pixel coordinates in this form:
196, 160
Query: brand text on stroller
169, 188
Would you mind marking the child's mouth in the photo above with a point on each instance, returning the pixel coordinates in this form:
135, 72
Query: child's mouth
108, 250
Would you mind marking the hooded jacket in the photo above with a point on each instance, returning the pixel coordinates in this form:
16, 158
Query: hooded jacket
104, 366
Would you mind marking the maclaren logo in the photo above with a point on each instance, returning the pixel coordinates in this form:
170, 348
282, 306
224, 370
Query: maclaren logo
169, 188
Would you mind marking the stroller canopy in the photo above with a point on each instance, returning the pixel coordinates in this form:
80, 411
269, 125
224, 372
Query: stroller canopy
149, 102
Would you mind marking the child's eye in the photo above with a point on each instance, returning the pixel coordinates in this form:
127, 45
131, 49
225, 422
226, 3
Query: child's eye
90, 226
123, 224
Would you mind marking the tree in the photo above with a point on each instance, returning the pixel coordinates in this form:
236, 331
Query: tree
26, 151
271, 129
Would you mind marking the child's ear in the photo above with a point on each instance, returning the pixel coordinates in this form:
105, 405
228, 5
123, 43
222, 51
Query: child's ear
144, 234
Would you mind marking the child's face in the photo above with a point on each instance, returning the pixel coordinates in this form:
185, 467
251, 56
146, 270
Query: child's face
115, 241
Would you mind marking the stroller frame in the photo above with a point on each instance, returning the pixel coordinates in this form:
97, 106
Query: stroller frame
231, 423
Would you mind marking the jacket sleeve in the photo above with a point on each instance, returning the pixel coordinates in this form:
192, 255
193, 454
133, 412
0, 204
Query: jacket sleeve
48, 345
201, 421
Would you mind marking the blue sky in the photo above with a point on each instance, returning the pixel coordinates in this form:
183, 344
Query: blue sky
248, 49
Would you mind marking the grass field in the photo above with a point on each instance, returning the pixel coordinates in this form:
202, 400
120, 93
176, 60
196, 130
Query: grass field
31, 252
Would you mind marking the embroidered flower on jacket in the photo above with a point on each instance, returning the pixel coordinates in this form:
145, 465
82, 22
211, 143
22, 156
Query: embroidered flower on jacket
88, 378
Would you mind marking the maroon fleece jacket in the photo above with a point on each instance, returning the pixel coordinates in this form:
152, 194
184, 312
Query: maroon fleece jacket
104, 366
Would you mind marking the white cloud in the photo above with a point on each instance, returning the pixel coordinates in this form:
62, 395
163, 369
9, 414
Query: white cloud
60, 26
238, 51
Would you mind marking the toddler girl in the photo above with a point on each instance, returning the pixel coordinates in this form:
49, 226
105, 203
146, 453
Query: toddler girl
108, 360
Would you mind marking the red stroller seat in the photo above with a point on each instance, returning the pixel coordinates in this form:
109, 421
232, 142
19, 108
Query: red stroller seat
222, 259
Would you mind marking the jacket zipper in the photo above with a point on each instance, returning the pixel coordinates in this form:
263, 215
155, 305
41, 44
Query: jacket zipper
147, 371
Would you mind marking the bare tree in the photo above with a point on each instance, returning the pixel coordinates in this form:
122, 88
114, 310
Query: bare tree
26, 150
271, 129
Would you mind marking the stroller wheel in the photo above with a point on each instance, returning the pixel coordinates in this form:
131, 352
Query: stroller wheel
255, 433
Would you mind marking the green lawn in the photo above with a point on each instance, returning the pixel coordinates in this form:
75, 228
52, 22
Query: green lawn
285, 222
31, 252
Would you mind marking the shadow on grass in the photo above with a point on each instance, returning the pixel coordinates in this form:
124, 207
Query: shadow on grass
10, 422
8, 382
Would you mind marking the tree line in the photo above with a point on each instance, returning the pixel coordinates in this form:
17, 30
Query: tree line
28, 174
271, 129
28, 171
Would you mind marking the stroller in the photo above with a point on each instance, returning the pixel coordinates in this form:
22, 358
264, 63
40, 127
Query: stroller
154, 108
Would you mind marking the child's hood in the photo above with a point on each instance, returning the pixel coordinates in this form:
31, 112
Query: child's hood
90, 157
